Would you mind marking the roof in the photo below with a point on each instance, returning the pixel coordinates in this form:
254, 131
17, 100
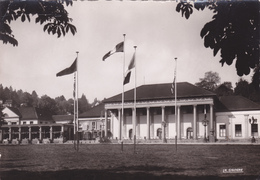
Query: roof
96, 111
235, 103
162, 91
63, 117
15, 110
29, 113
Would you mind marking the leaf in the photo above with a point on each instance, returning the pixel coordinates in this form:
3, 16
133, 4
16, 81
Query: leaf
23, 18
178, 7
28, 17
58, 32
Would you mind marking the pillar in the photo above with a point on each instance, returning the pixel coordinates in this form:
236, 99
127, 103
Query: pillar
178, 122
194, 122
10, 134
19, 136
148, 122
246, 126
163, 123
119, 124
51, 132
212, 132
30, 133
40, 133
106, 124
133, 123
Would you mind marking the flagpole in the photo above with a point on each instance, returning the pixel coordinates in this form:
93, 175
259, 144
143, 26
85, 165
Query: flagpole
77, 110
175, 96
74, 116
122, 121
135, 102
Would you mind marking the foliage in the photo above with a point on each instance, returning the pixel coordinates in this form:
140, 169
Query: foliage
234, 31
51, 14
210, 81
224, 89
59, 105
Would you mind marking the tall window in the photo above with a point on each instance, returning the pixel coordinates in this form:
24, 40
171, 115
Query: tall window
254, 129
93, 125
238, 130
222, 130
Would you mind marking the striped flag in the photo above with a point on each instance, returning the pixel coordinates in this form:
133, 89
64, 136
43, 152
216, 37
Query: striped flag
173, 86
132, 63
127, 77
119, 48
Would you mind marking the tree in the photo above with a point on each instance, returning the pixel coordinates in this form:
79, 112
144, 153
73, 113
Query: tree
234, 31
224, 89
51, 14
210, 81
242, 88
83, 104
47, 103
35, 99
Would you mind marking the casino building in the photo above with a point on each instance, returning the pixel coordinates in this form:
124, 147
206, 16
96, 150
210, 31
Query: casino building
227, 117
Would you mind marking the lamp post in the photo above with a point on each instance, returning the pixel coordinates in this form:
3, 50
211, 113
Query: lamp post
252, 121
205, 123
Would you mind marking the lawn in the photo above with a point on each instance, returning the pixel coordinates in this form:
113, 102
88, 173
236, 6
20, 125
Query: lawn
107, 161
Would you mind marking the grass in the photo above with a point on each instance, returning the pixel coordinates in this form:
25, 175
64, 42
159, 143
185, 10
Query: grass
106, 161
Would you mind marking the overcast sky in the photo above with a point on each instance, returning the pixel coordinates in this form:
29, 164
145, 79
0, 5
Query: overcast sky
158, 31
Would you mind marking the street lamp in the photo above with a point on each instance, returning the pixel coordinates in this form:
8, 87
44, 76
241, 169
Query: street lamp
252, 121
205, 123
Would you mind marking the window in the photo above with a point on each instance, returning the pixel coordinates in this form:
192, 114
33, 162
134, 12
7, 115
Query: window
31, 122
24, 122
222, 130
93, 125
13, 123
254, 129
238, 130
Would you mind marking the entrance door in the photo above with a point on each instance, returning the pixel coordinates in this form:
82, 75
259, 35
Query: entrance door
130, 133
189, 133
159, 133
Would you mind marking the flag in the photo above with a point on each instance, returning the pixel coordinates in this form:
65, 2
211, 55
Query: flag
127, 78
68, 70
132, 63
119, 48
173, 86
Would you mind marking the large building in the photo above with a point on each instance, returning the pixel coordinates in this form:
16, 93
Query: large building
200, 114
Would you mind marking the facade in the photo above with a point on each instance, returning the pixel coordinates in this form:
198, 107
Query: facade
32, 124
92, 123
226, 118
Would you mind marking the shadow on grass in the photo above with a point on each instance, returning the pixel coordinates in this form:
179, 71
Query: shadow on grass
122, 173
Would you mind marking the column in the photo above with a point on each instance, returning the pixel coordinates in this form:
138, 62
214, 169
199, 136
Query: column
40, 133
163, 123
10, 134
19, 131
178, 122
148, 121
30, 133
51, 132
119, 124
246, 126
133, 123
194, 122
106, 124
211, 136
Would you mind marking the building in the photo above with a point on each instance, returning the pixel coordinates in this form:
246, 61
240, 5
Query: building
30, 123
226, 117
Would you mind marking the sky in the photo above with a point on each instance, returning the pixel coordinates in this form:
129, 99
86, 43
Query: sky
160, 33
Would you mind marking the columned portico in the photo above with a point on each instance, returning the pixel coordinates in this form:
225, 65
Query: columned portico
163, 123
211, 125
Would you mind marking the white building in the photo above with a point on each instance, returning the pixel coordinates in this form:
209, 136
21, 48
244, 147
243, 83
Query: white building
227, 117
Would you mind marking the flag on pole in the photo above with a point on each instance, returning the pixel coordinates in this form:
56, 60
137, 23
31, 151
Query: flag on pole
68, 70
173, 86
119, 48
127, 78
132, 63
